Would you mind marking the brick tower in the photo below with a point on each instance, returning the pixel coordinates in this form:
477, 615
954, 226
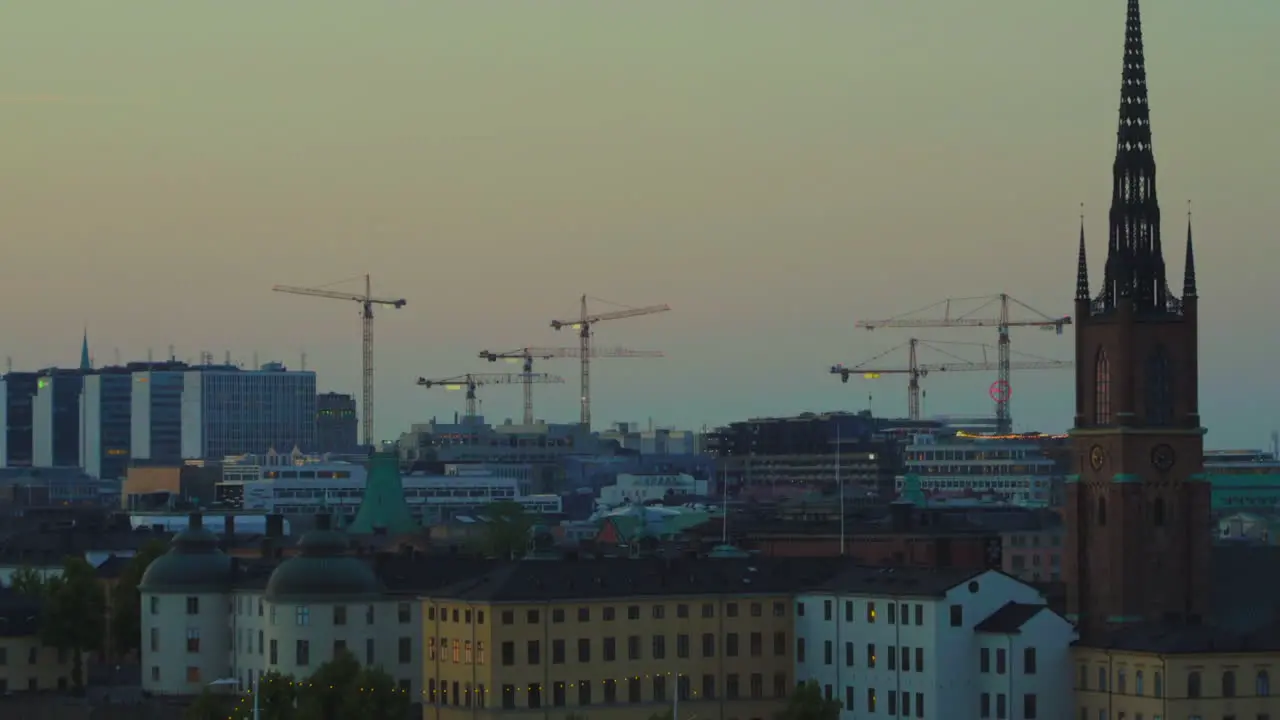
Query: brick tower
1137, 513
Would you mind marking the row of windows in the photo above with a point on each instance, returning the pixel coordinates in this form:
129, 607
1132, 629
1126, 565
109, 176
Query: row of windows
609, 648
1028, 661
1030, 706
585, 693
302, 649
302, 613
899, 659
609, 613
1195, 686
895, 614
897, 703
33, 655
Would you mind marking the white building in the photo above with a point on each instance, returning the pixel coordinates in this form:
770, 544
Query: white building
963, 467
944, 644
228, 411
640, 489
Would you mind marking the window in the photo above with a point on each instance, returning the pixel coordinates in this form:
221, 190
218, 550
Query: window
633, 612
633, 689
682, 611
1029, 706
1159, 383
557, 652
531, 617
871, 617
274, 654
404, 649
828, 652
871, 700
957, 615
984, 705
708, 610
193, 674
339, 614
799, 650
708, 687
1262, 684
848, 697
155, 640
1102, 389
1137, 682
1159, 685
534, 652
708, 645
757, 644
919, 705
659, 612
584, 692
731, 609
848, 611
919, 659
155, 605
1029, 661
659, 647
1102, 511
584, 650
633, 647
1102, 679
302, 615
731, 686
508, 653
534, 695
871, 656
508, 618
779, 685
368, 652
303, 653
780, 643
369, 615
906, 659
893, 700
893, 618
779, 609
193, 606
848, 654
584, 614
984, 660
659, 688
610, 649
731, 645
1121, 681
1002, 706
1000, 661
1193, 684
826, 610
756, 684
404, 614
557, 615
919, 614
1228, 684
193, 640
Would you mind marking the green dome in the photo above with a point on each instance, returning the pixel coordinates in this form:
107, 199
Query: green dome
322, 570
193, 564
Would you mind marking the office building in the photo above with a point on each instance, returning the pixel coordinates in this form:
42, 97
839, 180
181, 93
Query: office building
918, 643
229, 411
106, 405
17, 396
155, 415
336, 424
55, 419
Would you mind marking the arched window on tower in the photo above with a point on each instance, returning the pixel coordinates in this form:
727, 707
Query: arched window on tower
1159, 383
1102, 389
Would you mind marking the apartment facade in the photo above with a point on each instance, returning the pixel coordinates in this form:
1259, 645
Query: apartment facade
155, 415
26, 663
56, 425
106, 404
228, 411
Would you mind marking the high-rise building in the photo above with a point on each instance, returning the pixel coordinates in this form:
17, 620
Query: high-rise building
336, 424
55, 419
156, 412
106, 404
1138, 508
229, 411
17, 395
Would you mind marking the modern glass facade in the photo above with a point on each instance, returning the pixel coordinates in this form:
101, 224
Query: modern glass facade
17, 397
227, 411
156, 417
336, 424
55, 429
106, 411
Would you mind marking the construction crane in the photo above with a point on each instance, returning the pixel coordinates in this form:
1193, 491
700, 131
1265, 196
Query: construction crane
471, 381
1002, 390
916, 371
528, 354
583, 325
367, 301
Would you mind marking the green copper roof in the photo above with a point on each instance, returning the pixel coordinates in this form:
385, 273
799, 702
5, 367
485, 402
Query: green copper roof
384, 507
322, 570
193, 564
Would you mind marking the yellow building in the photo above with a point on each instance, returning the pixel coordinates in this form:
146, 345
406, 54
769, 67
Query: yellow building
616, 639
1179, 674
26, 664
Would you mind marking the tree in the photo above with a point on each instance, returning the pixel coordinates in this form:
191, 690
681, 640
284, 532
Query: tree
126, 603
374, 696
341, 689
507, 533
209, 706
27, 580
73, 616
808, 703
277, 698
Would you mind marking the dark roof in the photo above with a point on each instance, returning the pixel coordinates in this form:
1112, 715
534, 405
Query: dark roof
582, 579
51, 547
323, 569
1009, 619
1187, 639
113, 566
923, 582
19, 614
193, 563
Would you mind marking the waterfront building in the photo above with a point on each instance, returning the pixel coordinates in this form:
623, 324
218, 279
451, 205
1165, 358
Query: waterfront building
17, 397
963, 468
229, 411
641, 489
106, 403
919, 643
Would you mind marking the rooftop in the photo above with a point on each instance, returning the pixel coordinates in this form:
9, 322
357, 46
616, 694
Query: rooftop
922, 582
1010, 618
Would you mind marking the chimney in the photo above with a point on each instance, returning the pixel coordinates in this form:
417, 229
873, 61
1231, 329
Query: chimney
275, 526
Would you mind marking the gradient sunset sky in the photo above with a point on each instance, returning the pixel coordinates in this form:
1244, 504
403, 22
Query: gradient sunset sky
773, 170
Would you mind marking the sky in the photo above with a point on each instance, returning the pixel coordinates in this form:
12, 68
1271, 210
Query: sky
774, 171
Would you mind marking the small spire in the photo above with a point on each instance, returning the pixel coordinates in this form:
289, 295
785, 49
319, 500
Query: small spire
85, 362
1082, 264
1189, 271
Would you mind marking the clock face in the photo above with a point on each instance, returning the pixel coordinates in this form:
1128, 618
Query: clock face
1162, 457
1097, 457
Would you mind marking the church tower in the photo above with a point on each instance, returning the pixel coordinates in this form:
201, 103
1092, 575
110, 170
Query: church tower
1137, 512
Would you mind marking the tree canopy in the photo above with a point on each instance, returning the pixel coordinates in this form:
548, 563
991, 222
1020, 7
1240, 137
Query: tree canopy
337, 690
808, 703
507, 532
126, 604
74, 613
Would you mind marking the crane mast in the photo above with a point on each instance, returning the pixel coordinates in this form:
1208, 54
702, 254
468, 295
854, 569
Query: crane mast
470, 381
916, 371
952, 318
583, 324
528, 354
367, 301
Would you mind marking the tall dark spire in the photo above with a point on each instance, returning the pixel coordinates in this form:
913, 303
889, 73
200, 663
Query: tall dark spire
1189, 270
1135, 261
1082, 264
86, 363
